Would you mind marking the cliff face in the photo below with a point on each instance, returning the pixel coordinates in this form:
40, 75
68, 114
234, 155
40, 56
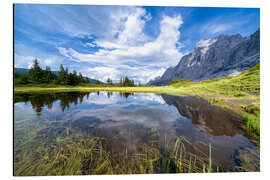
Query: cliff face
217, 57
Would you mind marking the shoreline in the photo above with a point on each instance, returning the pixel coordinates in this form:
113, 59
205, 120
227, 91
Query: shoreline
227, 102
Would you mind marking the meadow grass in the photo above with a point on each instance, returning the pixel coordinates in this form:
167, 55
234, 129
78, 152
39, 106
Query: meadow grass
238, 86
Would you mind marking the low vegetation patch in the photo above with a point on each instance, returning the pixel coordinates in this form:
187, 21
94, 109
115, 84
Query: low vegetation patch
252, 123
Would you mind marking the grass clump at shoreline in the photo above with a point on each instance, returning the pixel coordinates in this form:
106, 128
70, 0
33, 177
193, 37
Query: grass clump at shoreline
252, 123
252, 117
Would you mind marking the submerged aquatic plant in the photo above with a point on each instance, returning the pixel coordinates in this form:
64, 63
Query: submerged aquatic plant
64, 151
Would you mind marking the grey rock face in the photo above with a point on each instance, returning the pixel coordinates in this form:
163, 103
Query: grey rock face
217, 57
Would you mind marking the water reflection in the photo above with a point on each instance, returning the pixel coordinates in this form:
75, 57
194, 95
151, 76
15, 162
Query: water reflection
39, 101
128, 120
206, 117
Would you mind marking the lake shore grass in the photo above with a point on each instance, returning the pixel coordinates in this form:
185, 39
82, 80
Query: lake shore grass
137, 89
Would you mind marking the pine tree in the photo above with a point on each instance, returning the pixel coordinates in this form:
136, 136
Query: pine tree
48, 76
87, 80
61, 74
36, 73
80, 78
121, 81
109, 81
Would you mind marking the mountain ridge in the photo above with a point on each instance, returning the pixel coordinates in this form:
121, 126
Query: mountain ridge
221, 56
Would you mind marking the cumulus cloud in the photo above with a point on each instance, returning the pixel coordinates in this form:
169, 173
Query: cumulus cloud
27, 61
101, 41
23, 61
103, 73
130, 45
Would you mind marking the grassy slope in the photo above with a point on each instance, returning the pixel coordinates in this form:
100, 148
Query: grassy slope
244, 84
240, 94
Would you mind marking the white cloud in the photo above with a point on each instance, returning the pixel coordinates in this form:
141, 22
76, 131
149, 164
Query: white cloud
122, 47
21, 61
91, 44
129, 44
218, 25
205, 44
133, 26
219, 28
145, 76
103, 73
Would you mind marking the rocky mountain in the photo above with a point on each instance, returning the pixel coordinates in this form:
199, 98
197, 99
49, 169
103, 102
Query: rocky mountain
221, 56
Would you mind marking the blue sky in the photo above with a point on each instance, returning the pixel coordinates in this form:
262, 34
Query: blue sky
115, 41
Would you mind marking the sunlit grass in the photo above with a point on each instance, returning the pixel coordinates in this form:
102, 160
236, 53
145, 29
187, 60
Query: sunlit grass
238, 86
252, 123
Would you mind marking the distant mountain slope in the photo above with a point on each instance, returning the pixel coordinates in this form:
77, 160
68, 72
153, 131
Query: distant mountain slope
21, 70
26, 71
217, 57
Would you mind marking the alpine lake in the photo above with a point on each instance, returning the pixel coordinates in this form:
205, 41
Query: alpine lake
78, 133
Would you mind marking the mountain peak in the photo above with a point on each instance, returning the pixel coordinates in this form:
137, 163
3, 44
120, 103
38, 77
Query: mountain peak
216, 57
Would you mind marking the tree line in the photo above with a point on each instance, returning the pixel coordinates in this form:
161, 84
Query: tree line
124, 81
39, 76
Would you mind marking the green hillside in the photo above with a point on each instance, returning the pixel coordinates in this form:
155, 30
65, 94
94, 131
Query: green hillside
239, 93
248, 82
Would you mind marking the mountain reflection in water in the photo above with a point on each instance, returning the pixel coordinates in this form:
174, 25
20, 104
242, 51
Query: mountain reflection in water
128, 120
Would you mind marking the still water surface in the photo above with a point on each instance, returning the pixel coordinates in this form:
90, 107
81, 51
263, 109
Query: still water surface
127, 121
